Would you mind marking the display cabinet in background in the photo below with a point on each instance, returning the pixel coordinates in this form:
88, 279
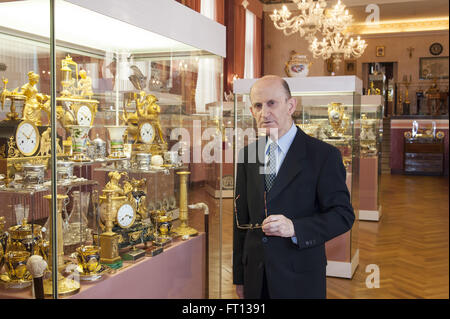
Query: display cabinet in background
328, 108
97, 154
370, 160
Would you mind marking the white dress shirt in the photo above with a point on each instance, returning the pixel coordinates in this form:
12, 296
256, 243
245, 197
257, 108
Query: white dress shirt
284, 143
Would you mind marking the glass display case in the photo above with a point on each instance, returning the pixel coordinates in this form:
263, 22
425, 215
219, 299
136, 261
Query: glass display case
328, 108
370, 162
98, 156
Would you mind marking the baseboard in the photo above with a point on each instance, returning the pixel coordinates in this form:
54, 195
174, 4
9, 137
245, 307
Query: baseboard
226, 193
370, 215
343, 269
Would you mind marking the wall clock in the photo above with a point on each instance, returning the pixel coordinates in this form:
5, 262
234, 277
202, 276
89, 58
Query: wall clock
436, 48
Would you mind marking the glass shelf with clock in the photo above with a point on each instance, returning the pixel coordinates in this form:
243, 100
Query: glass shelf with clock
100, 148
328, 108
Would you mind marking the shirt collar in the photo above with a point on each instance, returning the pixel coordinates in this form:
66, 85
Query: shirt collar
284, 142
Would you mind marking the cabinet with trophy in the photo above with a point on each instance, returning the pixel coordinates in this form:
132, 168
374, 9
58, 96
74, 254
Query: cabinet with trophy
370, 162
96, 151
328, 108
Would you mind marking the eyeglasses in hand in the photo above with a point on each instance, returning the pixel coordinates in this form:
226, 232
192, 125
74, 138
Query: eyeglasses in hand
248, 226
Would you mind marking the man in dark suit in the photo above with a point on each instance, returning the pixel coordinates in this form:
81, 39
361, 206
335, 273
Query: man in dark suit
291, 198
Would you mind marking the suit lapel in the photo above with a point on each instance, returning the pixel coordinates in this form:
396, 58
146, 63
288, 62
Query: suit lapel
293, 164
258, 168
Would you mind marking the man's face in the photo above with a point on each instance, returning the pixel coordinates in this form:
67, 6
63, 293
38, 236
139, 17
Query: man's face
271, 108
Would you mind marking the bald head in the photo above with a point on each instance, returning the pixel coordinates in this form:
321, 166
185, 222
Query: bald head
272, 104
273, 80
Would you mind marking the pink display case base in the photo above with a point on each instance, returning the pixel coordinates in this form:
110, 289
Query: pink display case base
177, 273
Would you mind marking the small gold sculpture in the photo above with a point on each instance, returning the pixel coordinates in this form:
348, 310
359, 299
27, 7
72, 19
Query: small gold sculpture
35, 102
136, 186
113, 184
85, 85
46, 144
373, 90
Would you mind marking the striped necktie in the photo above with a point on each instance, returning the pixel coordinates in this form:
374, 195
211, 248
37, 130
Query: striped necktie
271, 166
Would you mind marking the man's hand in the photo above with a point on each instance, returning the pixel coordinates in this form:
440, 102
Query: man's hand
240, 291
278, 225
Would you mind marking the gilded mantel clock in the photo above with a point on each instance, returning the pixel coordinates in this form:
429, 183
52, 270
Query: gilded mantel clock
144, 127
20, 142
75, 105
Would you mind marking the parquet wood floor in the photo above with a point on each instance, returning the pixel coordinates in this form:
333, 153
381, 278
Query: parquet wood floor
410, 244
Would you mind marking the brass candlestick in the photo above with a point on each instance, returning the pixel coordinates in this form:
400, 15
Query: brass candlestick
184, 230
109, 240
66, 286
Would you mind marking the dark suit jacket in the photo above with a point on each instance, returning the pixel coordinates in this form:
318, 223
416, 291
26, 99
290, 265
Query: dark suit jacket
309, 189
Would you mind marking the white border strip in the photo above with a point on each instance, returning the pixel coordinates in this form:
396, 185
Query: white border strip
164, 17
343, 269
370, 215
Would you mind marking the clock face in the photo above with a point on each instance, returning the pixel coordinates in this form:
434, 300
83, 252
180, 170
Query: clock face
436, 48
147, 133
84, 116
27, 138
126, 215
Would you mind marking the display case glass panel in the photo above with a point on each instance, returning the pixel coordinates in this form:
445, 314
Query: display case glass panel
370, 162
328, 108
119, 181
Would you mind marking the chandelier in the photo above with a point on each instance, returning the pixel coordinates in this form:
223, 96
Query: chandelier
337, 19
337, 46
336, 43
332, 24
307, 23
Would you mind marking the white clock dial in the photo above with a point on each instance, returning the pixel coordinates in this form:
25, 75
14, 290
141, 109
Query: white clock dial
84, 116
147, 133
126, 216
27, 138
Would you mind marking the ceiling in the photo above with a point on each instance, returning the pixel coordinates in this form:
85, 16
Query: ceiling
390, 11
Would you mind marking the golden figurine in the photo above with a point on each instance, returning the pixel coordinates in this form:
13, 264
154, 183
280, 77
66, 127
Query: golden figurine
35, 102
113, 184
45, 144
85, 85
135, 190
373, 90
